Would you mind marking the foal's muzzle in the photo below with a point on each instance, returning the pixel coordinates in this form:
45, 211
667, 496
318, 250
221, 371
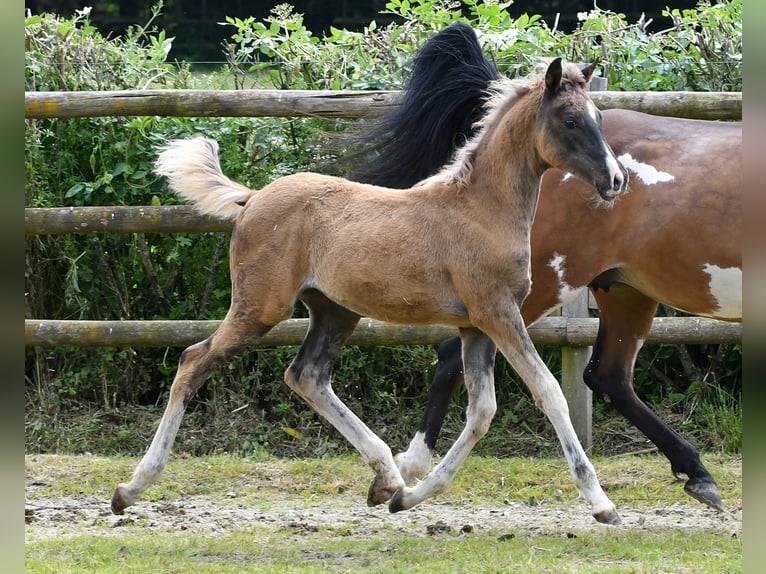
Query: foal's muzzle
616, 183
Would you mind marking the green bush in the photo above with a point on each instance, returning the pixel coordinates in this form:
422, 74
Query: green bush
108, 161
701, 52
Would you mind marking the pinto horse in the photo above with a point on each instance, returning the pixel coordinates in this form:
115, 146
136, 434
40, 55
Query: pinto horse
675, 238
452, 250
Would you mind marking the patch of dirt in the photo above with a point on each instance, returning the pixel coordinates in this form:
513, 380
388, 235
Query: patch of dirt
346, 514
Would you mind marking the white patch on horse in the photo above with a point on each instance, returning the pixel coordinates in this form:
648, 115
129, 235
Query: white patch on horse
567, 293
645, 172
726, 288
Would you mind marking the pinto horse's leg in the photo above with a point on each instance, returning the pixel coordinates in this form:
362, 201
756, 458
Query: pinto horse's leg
309, 375
479, 361
416, 460
195, 366
625, 319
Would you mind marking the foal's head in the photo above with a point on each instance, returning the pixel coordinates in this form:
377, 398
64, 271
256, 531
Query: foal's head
570, 137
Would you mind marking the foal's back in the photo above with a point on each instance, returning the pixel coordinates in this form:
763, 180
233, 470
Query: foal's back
367, 248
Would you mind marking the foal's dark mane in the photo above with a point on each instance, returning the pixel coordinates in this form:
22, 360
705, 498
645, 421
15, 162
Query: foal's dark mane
392, 153
500, 95
452, 92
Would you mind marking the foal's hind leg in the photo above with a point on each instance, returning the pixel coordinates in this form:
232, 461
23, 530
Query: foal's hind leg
195, 366
478, 361
309, 375
415, 462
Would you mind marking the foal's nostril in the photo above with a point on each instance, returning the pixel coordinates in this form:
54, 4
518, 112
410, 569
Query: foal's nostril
617, 182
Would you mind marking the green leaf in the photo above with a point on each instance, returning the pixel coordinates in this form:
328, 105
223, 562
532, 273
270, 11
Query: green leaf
74, 190
119, 169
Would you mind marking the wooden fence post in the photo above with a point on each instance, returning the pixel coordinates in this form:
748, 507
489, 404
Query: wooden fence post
573, 363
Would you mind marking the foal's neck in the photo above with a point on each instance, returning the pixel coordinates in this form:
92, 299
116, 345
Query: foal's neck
507, 164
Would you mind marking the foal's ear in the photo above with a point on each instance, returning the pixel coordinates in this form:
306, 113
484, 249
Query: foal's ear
587, 71
553, 76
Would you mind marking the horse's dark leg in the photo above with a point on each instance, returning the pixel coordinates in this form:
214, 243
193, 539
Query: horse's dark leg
625, 319
416, 460
309, 375
195, 366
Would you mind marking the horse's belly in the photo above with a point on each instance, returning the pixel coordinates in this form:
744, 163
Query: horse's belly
725, 287
407, 309
384, 298
714, 293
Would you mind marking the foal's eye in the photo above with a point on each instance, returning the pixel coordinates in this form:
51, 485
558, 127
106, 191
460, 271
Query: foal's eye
570, 123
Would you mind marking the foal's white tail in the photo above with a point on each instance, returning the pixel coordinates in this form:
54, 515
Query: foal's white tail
194, 172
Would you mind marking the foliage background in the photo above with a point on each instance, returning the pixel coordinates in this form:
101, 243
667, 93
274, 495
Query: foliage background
109, 400
198, 35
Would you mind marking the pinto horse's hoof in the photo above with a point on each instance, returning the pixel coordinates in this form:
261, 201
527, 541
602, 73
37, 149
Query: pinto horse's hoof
608, 517
705, 491
377, 493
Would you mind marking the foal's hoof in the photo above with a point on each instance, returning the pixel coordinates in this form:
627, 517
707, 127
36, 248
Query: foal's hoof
118, 501
397, 502
608, 517
377, 493
705, 491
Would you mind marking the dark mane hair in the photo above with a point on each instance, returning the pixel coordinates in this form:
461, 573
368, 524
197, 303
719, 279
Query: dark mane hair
393, 153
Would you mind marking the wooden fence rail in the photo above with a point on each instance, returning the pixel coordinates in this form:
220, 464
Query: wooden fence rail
120, 219
330, 104
562, 331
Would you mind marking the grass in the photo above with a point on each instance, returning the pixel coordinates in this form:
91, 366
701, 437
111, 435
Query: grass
246, 551
263, 546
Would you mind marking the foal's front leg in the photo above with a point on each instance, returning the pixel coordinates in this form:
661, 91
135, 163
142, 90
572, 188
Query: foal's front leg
479, 361
517, 347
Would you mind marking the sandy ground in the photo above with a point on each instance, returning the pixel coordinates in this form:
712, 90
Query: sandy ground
69, 516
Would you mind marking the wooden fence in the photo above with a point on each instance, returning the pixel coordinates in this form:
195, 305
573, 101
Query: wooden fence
570, 332
330, 104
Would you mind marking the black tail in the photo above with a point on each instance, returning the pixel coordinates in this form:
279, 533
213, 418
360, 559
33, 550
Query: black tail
443, 97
